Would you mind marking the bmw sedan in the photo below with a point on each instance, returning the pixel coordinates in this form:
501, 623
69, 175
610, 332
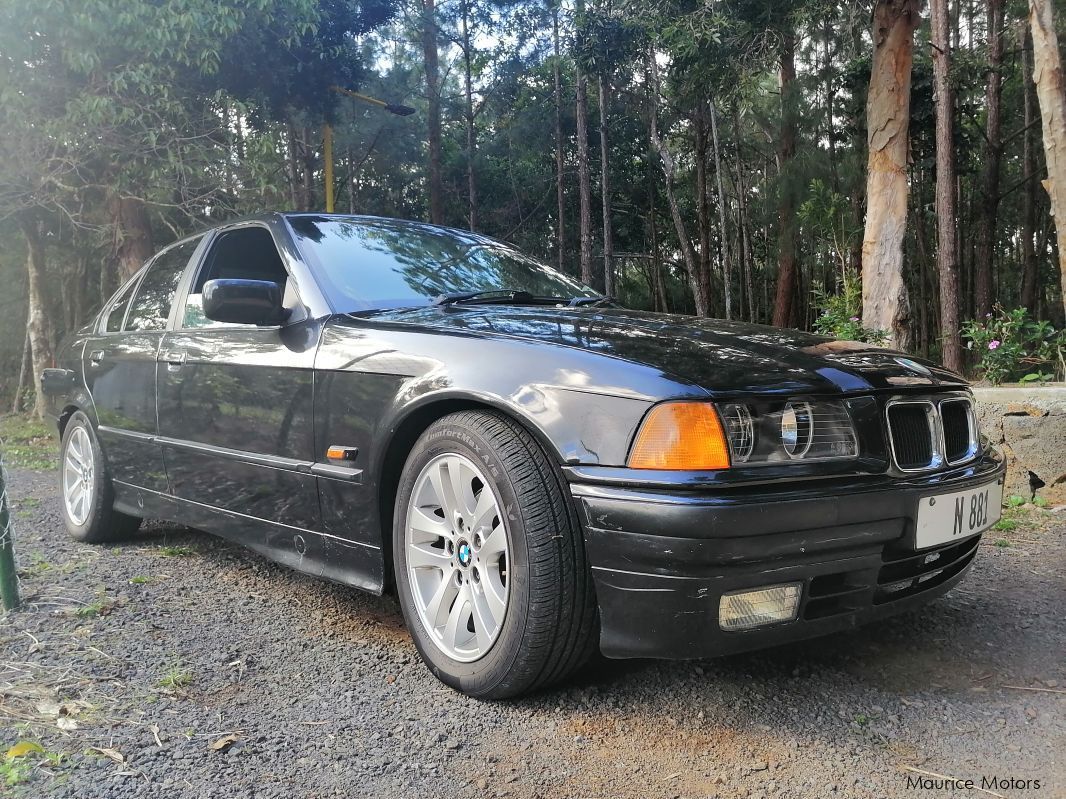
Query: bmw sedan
537, 472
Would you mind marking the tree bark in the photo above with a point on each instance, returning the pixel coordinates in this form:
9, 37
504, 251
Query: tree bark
700, 299
703, 206
605, 192
745, 238
37, 322
560, 193
947, 243
132, 232
989, 202
433, 122
786, 206
1047, 75
471, 132
1029, 269
885, 305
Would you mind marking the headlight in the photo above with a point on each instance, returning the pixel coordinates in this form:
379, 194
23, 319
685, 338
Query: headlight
795, 430
699, 436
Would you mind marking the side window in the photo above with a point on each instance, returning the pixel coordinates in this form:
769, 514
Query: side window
246, 253
150, 308
118, 309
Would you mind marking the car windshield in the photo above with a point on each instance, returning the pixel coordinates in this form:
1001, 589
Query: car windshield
368, 265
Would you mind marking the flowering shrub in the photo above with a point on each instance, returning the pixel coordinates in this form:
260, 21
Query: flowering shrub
840, 315
1010, 346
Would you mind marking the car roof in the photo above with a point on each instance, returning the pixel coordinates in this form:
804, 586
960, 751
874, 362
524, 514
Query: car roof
464, 236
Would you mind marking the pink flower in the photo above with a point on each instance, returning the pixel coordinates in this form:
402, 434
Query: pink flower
854, 319
994, 344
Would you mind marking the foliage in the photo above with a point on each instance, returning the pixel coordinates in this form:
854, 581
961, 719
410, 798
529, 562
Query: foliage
840, 315
28, 443
1010, 346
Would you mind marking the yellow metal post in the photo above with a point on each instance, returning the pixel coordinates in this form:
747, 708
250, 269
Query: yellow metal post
327, 157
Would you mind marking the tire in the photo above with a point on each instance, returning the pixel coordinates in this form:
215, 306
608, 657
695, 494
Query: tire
94, 519
549, 626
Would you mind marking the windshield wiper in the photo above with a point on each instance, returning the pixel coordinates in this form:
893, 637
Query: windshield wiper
500, 296
590, 302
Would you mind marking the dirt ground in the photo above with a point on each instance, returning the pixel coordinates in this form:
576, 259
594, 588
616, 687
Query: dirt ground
178, 665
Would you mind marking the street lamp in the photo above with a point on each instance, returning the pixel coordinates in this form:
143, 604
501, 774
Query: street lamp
327, 135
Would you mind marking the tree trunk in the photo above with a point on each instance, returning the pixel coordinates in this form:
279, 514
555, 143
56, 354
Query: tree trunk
1029, 269
885, 305
292, 166
786, 206
132, 232
560, 194
25, 375
433, 122
703, 206
584, 178
989, 202
605, 192
37, 325
947, 249
747, 255
1047, 75
727, 262
663, 149
471, 133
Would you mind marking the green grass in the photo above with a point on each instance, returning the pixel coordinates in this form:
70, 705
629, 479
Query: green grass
175, 679
176, 552
1006, 525
1002, 543
140, 580
27, 443
93, 609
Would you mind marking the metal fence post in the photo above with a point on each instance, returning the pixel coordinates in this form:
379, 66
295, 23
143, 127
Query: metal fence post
9, 581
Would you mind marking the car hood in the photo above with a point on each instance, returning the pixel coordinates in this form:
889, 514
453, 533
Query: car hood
719, 356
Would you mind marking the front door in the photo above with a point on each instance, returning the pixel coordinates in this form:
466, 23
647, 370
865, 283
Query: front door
235, 404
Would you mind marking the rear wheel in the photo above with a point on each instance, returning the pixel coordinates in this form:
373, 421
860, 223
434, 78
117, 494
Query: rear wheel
86, 491
490, 566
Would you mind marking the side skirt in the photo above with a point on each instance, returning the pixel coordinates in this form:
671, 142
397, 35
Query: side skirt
322, 555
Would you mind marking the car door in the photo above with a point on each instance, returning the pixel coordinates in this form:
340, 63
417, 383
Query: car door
120, 365
235, 401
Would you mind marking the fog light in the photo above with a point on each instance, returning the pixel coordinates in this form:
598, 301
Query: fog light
742, 610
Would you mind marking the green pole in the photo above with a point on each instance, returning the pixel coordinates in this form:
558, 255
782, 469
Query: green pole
9, 581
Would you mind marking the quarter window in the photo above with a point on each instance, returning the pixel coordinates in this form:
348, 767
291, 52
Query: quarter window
150, 308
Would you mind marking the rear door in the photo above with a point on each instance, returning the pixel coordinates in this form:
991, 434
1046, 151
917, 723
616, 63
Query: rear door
120, 366
235, 403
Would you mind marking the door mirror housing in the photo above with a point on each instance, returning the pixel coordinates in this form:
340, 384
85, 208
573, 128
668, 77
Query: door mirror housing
245, 302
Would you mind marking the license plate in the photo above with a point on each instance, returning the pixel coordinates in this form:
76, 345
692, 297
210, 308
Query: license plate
950, 517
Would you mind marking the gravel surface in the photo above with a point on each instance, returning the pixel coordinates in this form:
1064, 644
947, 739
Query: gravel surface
178, 665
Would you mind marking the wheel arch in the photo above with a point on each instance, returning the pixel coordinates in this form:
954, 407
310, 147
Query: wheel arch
412, 425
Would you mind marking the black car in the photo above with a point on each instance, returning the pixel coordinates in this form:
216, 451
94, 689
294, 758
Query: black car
538, 472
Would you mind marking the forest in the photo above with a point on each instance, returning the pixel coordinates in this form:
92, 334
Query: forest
883, 171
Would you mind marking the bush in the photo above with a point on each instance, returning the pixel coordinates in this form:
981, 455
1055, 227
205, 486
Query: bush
840, 317
1012, 347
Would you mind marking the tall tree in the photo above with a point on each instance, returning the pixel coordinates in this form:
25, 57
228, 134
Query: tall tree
784, 298
885, 305
1028, 228
431, 62
560, 162
988, 208
584, 172
605, 190
38, 324
1047, 75
947, 232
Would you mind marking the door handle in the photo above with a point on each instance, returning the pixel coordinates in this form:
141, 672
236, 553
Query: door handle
96, 356
175, 360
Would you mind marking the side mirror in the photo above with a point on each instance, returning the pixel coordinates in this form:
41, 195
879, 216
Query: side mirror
245, 302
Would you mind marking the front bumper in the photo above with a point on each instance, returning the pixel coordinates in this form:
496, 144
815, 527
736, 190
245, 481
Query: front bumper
662, 559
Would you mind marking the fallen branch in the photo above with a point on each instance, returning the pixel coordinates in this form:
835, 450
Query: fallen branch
1043, 690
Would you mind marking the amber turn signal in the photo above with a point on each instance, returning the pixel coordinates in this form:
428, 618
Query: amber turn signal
680, 435
336, 453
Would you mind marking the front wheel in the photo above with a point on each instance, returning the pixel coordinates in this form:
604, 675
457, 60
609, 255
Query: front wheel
490, 566
86, 492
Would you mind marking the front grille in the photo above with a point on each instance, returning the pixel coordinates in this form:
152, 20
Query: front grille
905, 573
912, 435
959, 443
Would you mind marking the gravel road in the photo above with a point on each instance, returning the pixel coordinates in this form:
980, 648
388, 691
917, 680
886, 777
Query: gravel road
178, 665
